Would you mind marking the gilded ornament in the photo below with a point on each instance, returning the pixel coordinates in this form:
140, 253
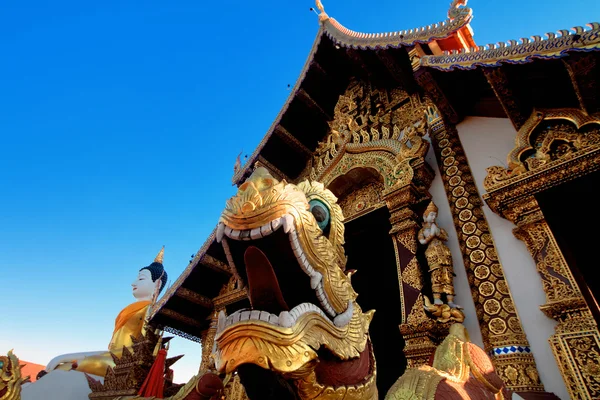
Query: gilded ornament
492, 306
482, 272
497, 326
363, 200
411, 275
487, 289
10, 377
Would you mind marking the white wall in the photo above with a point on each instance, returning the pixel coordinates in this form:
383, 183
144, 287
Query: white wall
487, 142
461, 284
59, 385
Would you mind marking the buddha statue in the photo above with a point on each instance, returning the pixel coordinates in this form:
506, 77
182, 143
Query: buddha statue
131, 321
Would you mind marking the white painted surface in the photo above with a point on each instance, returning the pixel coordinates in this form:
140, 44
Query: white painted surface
461, 284
58, 385
487, 142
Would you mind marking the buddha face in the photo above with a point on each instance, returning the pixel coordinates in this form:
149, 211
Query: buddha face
143, 287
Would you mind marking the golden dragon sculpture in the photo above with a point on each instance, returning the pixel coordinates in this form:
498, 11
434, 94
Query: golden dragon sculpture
305, 336
10, 377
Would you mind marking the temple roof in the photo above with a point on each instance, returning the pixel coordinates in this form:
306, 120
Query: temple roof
362, 54
505, 80
581, 39
185, 308
30, 369
455, 27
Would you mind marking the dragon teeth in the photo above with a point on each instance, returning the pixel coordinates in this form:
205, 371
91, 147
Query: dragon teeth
344, 318
250, 234
255, 234
316, 278
285, 319
288, 223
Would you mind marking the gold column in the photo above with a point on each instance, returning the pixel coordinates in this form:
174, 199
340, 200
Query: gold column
576, 342
501, 328
421, 333
208, 338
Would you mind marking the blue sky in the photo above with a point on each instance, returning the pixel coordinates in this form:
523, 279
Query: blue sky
120, 123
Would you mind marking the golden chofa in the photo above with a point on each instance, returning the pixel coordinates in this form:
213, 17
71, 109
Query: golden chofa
285, 243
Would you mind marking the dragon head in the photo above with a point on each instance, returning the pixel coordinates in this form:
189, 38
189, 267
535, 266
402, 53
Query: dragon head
285, 243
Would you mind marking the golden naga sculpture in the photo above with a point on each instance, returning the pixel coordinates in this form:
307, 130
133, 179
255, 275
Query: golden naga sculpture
439, 260
305, 337
10, 377
130, 322
460, 370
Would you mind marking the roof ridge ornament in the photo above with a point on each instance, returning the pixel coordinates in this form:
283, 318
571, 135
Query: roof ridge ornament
322, 14
455, 9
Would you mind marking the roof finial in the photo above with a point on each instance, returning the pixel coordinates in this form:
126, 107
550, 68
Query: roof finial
160, 256
238, 163
323, 15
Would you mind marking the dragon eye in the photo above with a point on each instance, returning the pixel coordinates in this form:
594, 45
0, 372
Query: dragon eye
321, 213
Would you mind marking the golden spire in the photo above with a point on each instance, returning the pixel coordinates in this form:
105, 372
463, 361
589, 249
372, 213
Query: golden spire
160, 256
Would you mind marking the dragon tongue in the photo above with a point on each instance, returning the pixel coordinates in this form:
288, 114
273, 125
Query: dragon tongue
263, 286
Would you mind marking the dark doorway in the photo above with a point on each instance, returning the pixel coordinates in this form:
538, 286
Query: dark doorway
571, 212
370, 252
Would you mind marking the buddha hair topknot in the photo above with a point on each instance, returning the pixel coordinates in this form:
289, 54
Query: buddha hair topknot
157, 271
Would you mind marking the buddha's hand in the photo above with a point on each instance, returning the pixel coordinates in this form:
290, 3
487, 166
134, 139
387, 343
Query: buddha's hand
69, 359
59, 361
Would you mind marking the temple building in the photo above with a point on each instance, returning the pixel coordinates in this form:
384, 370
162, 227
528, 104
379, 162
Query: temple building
499, 147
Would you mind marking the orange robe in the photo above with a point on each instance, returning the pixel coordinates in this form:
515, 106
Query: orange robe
129, 322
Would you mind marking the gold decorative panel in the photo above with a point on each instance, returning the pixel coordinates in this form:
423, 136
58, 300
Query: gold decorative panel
553, 146
501, 327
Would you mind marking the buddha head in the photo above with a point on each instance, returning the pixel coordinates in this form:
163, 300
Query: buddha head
150, 280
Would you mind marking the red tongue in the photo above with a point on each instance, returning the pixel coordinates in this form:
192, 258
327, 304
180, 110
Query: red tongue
263, 287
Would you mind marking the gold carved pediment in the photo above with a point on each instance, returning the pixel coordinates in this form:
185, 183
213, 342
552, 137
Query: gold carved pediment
548, 138
391, 123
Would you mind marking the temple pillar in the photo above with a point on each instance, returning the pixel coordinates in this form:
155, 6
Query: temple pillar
421, 333
208, 339
501, 329
576, 342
